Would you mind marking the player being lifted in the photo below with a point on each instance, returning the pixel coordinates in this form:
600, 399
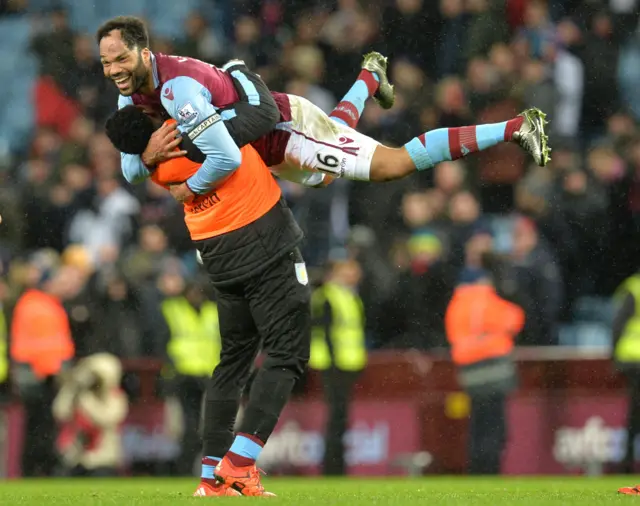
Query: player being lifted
192, 92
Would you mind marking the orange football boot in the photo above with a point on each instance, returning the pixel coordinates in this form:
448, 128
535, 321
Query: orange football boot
245, 480
635, 490
219, 490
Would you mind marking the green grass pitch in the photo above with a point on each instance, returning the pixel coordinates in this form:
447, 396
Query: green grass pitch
321, 491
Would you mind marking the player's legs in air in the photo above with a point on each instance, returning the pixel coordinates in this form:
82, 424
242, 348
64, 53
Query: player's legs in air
332, 146
446, 144
372, 82
341, 151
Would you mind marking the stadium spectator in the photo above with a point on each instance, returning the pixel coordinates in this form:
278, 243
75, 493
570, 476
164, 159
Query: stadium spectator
89, 408
109, 221
538, 279
492, 64
4, 338
449, 178
41, 347
481, 328
426, 280
200, 41
119, 309
11, 7
411, 16
83, 83
54, 47
538, 33
188, 324
307, 66
338, 350
487, 27
451, 102
453, 37
80, 303
143, 260
626, 355
464, 218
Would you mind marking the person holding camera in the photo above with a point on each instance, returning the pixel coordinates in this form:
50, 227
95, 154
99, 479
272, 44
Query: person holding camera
90, 408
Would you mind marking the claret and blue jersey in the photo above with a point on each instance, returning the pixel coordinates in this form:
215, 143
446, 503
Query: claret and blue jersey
198, 95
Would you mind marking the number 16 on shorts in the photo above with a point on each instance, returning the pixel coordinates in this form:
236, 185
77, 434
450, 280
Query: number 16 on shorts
326, 162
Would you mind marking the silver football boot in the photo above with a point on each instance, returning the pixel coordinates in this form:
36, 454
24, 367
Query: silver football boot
531, 136
376, 63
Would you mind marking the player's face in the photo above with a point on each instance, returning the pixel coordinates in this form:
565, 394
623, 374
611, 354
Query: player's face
127, 67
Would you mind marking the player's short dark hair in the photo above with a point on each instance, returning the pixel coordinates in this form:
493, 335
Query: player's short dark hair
129, 130
133, 31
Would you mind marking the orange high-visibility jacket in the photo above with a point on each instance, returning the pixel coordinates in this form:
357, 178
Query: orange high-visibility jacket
245, 196
481, 325
40, 333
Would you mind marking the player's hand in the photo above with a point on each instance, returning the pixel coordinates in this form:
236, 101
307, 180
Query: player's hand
182, 193
162, 144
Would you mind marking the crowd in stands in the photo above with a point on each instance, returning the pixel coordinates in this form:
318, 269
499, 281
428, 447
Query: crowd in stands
571, 231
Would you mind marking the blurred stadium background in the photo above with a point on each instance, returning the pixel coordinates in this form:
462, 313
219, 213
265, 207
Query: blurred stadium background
570, 234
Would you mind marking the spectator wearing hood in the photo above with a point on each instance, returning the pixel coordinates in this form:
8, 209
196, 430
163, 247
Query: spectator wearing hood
90, 408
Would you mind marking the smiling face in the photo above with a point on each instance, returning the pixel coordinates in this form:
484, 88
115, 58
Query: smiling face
128, 67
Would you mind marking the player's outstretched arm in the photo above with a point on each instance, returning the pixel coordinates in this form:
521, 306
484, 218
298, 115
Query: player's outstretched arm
256, 112
189, 103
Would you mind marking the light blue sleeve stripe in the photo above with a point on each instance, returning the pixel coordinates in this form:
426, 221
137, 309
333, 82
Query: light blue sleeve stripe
192, 109
248, 86
228, 114
222, 158
231, 63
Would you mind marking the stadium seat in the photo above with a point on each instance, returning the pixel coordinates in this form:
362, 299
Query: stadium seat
501, 226
592, 335
39, 6
629, 75
17, 109
8, 61
15, 33
168, 18
19, 113
119, 7
567, 335
593, 309
82, 15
